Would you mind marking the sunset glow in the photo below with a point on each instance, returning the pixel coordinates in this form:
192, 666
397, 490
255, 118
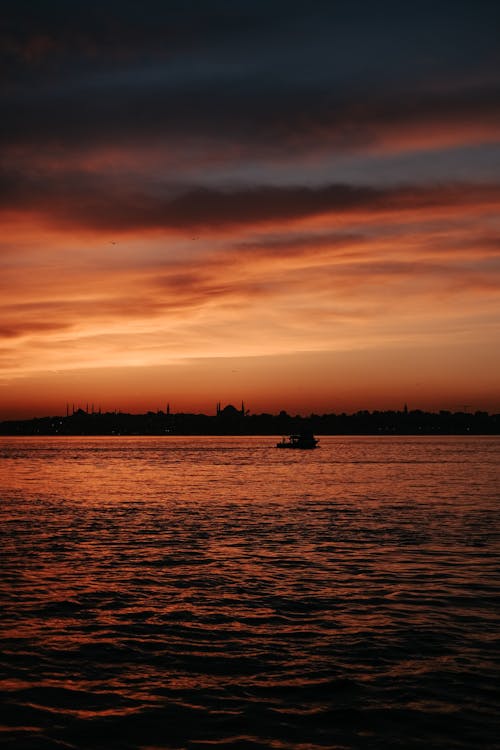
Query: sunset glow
186, 220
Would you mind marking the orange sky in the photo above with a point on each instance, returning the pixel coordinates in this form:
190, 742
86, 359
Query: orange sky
336, 256
346, 310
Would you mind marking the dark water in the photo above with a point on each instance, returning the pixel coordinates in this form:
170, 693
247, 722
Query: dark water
201, 592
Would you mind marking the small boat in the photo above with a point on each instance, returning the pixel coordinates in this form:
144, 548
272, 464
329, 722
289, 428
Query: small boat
305, 440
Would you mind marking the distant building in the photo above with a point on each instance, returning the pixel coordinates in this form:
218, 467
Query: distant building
230, 411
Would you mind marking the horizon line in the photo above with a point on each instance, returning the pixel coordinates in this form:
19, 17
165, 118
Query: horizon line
245, 414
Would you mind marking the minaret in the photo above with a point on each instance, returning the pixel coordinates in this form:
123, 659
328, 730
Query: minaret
168, 410
242, 409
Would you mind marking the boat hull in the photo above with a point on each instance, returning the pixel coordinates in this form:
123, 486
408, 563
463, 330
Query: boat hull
296, 447
299, 442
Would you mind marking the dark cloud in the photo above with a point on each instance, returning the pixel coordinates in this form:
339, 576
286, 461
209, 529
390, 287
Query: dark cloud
267, 75
257, 116
125, 29
91, 201
37, 32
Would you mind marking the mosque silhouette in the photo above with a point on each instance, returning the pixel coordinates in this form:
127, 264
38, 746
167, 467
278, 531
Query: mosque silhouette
230, 411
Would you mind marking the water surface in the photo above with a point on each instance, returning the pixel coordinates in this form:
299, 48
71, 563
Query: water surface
195, 592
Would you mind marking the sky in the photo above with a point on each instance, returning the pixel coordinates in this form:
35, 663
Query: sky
291, 203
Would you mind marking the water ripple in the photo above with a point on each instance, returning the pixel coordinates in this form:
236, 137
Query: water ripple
192, 593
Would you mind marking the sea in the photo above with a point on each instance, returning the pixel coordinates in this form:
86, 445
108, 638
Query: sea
201, 592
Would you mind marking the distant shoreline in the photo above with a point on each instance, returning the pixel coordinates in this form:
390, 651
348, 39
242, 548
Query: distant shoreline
232, 422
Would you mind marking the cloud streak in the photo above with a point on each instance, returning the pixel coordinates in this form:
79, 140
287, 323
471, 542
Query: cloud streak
84, 200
